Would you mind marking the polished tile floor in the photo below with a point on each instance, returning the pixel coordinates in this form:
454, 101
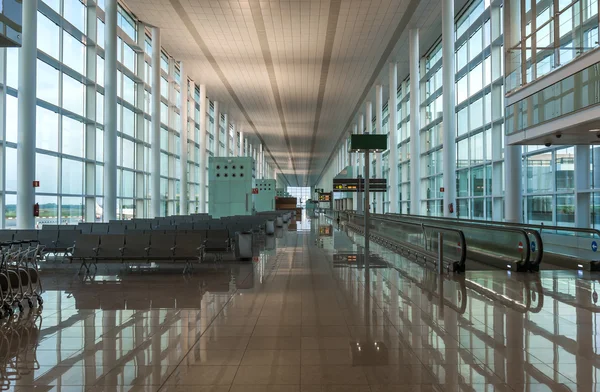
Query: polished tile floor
307, 315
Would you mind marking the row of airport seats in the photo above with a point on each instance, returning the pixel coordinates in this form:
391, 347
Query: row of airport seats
182, 246
77, 242
54, 241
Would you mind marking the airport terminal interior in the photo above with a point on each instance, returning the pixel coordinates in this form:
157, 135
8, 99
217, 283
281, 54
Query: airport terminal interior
299, 195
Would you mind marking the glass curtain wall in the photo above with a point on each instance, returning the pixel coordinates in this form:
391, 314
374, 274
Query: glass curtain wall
546, 35
431, 133
70, 100
479, 128
480, 114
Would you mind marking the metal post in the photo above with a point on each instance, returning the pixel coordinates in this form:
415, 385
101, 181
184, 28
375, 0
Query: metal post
440, 253
367, 164
27, 115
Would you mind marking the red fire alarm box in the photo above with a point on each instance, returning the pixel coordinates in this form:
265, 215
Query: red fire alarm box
255, 191
36, 184
36, 209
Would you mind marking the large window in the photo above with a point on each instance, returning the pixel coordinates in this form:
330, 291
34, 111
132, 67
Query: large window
301, 194
69, 119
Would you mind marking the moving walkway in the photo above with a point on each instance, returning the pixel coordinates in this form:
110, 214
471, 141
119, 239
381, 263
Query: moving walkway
487, 245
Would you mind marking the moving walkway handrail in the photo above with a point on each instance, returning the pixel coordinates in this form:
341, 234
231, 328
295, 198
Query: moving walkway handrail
519, 231
539, 252
541, 226
461, 236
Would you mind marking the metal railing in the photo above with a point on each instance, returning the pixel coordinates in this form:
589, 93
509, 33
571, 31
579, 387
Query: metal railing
574, 243
417, 240
521, 248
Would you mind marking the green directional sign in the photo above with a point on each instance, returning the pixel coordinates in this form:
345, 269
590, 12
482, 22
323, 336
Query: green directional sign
368, 142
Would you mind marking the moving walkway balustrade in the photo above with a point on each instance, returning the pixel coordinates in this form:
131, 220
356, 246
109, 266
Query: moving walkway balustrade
419, 241
567, 247
505, 247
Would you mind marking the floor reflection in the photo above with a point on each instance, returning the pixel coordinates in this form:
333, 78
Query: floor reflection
308, 313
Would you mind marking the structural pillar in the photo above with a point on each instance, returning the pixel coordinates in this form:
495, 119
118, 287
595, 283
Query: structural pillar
235, 141
203, 106
227, 135
155, 196
378, 129
369, 131
513, 206
415, 124
183, 139
242, 148
110, 109
254, 157
217, 151
393, 139
27, 117
449, 109
261, 162
353, 157
582, 186
361, 165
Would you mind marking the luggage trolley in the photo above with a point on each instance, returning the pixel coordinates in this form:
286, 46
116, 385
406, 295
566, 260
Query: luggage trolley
18, 349
19, 275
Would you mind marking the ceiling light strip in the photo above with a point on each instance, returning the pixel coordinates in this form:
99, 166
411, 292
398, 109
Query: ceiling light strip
332, 20
402, 24
259, 25
211, 59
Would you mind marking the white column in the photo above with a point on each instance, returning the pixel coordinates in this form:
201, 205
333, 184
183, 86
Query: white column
415, 124
361, 157
255, 158
110, 110
582, 186
346, 153
227, 137
361, 164
513, 208
449, 134
27, 114
369, 130
217, 151
183, 185
242, 149
378, 129
155, 196
261, 161
353, 158
203, 179
235, 141
392, 138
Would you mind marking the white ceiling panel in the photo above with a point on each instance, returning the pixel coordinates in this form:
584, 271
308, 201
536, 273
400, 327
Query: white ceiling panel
289, 73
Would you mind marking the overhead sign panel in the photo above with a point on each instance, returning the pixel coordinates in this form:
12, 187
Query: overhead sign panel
358, 185
368, 142
325, 197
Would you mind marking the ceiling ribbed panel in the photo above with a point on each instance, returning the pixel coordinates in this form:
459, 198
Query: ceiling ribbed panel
289, 73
